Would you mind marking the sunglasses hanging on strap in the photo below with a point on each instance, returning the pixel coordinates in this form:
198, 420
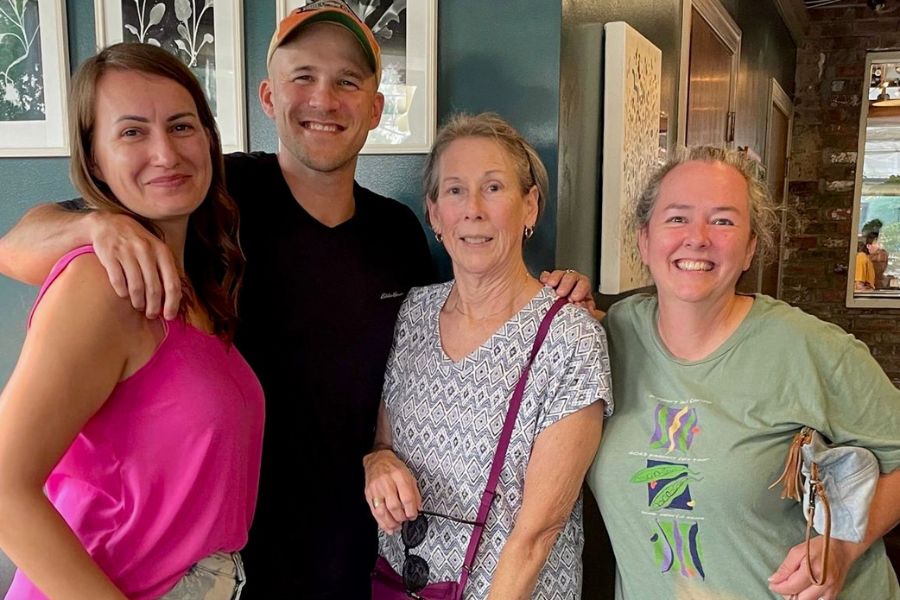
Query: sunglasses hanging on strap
837, 484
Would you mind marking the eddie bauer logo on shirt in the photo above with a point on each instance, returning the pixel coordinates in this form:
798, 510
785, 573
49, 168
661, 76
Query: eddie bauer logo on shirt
389, 295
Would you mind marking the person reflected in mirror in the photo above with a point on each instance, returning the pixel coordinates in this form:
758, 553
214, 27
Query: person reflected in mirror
864, 270
879, 257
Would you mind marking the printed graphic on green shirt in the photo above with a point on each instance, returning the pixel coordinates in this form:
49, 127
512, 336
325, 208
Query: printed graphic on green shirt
667, 484
675, 428
676, 541
676, 546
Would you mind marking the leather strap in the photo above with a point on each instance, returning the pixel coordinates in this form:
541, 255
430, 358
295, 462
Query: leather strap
490, 491
817, 488
791, 478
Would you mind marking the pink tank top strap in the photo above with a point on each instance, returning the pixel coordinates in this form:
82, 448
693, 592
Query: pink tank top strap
58, 268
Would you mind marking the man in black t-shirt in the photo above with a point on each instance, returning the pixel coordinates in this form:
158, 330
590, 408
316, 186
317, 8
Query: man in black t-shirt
328, 265
317, 315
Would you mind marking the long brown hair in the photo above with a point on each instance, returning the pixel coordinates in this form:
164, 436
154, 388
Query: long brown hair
213, 261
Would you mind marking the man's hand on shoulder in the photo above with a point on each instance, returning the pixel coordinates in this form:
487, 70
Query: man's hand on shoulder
140, 266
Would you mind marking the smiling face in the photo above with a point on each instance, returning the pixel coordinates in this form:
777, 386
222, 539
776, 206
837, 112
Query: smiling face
480, 210
322, 95
149, 146
699, 240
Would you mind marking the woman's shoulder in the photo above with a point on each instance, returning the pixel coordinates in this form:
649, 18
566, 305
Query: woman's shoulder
633, 303
421, 302
577, 316
779, 326
573, 325
428, 294
635, 310
78, 287
781, 318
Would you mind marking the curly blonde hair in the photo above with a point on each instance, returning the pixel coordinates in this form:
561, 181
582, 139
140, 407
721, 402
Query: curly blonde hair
763, 212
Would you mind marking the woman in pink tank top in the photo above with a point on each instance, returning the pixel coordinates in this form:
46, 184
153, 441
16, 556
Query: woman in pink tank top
130, 447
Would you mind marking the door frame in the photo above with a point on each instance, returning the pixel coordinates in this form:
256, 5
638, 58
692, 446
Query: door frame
779, 100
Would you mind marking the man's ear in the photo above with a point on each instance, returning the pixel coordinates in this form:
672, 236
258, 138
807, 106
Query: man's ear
265, 98
377, 109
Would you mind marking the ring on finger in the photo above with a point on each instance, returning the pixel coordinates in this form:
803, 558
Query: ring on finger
376, 502
570, 270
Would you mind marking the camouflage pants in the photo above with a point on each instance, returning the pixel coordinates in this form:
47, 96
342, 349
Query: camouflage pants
219, 576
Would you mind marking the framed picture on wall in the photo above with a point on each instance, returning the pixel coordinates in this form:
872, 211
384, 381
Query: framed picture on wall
631, 119
207, 35
407, 34
34, 75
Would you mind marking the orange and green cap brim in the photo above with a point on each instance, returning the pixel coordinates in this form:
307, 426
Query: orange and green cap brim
299, 18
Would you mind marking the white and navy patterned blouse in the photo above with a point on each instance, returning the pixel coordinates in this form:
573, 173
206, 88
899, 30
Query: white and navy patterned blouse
446, 419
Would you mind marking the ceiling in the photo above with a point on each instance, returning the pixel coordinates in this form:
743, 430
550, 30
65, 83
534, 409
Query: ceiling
796, 13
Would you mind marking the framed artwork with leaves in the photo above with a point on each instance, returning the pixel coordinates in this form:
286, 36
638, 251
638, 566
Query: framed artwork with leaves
34, 75
207, 35
407, 34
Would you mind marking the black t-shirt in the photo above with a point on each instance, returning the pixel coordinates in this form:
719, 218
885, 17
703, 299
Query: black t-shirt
317, 312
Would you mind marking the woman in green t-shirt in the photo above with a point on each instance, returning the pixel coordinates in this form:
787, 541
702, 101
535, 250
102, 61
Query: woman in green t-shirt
711, 386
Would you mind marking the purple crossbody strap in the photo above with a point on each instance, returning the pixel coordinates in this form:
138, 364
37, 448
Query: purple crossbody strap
490, 490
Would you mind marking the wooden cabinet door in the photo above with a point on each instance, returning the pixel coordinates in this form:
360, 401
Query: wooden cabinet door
709, 85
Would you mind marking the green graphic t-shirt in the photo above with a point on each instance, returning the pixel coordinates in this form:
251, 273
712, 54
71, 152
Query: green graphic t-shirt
683, 469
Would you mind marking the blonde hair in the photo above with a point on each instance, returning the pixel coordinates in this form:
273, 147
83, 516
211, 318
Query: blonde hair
763, 212
529, 168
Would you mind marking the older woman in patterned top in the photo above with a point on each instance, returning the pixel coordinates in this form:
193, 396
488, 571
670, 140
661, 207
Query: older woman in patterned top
459, 349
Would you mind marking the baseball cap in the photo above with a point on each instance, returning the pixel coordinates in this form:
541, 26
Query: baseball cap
329, 11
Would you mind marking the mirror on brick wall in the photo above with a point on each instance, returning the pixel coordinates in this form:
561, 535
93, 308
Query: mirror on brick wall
874, 258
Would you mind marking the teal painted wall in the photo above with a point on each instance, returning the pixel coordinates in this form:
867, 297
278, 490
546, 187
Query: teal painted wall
26, 182
501, 56
492, 56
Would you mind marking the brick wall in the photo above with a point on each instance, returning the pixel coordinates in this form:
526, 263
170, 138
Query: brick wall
830, 72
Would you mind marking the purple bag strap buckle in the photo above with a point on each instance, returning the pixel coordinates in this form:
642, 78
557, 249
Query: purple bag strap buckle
490, 490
